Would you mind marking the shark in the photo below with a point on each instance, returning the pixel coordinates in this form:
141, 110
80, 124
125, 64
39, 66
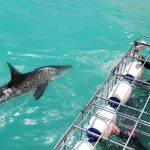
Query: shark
36, 81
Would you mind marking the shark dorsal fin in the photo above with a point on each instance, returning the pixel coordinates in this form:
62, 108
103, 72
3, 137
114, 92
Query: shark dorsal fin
14, 72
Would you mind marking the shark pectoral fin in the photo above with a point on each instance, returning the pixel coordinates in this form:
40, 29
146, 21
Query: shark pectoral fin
40, 90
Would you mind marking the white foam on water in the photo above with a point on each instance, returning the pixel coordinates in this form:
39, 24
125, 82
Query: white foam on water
17, 138
30, 121
11, 120
9, 52
2, 121
17, 114
32, 55
49, 139
31, 110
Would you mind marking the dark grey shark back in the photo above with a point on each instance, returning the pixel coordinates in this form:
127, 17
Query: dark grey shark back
35, 80
16, 76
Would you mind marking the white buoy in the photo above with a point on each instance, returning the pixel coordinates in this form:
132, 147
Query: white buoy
140, 46
134, 70
101, 124
120, 93
84, 145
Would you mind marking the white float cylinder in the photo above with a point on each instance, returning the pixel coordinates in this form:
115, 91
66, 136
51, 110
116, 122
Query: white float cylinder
84, 145
120, 93
134, 70
140, 46
101, 124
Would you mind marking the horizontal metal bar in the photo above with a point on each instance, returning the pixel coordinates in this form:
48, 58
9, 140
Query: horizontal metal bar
126, 106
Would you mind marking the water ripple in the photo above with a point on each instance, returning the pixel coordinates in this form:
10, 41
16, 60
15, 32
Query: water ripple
30, 121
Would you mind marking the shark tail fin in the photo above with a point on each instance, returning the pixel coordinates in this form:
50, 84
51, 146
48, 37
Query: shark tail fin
14, 72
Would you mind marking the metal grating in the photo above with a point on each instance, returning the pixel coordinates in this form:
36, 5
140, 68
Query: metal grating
132, 116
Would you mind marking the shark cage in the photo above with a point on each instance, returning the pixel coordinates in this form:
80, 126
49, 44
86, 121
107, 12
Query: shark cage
121, 105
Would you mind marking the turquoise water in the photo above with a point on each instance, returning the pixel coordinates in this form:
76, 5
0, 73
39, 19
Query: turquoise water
90, 35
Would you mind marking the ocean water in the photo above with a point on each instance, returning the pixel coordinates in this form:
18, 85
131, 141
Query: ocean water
89, 35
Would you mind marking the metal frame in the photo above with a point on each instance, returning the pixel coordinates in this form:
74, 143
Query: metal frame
127, 113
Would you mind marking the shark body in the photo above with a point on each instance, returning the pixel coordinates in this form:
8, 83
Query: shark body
36, 80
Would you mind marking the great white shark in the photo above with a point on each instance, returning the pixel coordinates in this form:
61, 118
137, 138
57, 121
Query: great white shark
36, 80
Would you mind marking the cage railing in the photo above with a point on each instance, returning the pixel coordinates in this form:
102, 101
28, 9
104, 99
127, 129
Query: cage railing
77, 131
